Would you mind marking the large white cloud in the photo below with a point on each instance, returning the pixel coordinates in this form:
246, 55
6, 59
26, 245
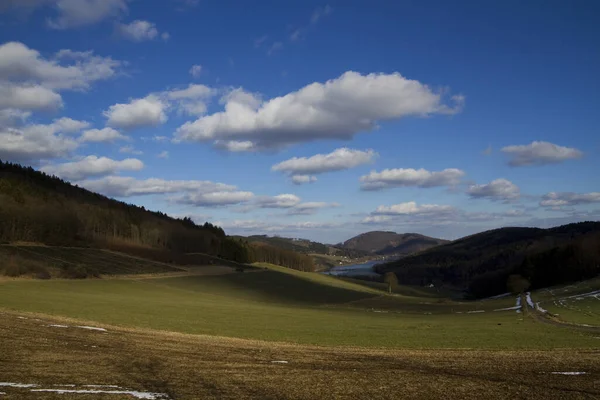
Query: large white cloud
562, 199
336, 109
540, 153
191, 100
91, 166
35, 142
401, 177
337, 160
28, 97
139, 31
498, 189
147, 111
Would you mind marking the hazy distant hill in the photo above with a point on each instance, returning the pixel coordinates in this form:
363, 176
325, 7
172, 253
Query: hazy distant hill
388, 243
482, 262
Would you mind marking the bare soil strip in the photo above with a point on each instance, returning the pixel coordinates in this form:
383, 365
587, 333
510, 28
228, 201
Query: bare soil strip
207, 367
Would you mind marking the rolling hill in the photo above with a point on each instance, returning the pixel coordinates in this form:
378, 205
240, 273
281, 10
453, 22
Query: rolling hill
390, 243
481, 263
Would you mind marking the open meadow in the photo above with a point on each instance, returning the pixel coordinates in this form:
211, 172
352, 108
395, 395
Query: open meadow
272, 332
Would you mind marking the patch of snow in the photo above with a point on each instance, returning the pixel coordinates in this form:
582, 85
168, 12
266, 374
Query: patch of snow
21, 317
509, 308
279, 362
497, 296
134, 393
528, 299
2, 393
65, 385
91, 328
518, 304
569, 373
58, 326
102, 386
540, 309
17, 385
476, 311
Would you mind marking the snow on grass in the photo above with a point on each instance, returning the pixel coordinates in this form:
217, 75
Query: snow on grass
91, 328
509, 308
58, 326
540, 309
528, 299
21, 317
569, 373
497, 296
17, 385
134, 393
475, 311
279, 362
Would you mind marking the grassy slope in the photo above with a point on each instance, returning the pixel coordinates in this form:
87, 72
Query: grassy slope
569, 306
285, 305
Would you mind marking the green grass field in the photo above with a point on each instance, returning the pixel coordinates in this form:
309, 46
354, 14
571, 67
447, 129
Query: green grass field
283, 305
577, 303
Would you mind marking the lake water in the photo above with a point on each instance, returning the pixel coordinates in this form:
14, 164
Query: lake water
365, 269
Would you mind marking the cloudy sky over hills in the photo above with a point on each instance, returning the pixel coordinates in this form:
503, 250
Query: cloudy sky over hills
312, 119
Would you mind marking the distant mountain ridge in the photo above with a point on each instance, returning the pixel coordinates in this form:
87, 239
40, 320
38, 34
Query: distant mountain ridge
390, 243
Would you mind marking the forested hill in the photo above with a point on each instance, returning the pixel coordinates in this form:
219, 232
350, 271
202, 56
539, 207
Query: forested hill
482, 263
35, 207
390, 243
305, 246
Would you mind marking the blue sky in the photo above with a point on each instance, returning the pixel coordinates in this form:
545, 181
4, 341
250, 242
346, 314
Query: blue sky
312, 119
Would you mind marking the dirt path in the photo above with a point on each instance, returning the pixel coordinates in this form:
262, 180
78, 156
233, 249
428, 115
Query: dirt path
551, 319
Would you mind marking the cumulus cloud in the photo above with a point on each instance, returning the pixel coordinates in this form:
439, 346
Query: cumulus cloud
32, 143
139, 31
336, 109
235, 146
29, 81
196, 70
402, 177
302, 179
101, 135
562, 199
76, 13
147, 111
498, 190
191, 100
540, 153
69, 125
338, 160
120, 186
92, 166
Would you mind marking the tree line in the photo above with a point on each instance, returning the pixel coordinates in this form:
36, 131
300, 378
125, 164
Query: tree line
36, 207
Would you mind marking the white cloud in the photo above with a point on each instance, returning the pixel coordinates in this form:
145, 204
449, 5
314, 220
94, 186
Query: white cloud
214, 199
76, 13
147, 111
138, 30
319, 13
28, 97
196, 70
91, 166
120, 186
69, 125
22, 64
498, 189
130, 150
402, 177
337, 109
310, 207
191, 100
101, 135
338, 160
412, 208
540, 153
302, 179
562, 199
279, 201
33, 143
13, 116
163, 154
235, 146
